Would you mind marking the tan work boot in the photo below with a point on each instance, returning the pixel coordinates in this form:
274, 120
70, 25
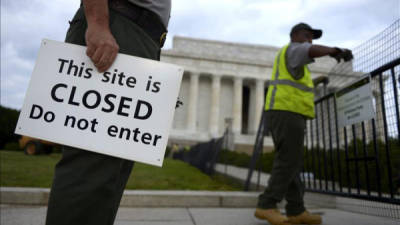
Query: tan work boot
273, 216
305, 218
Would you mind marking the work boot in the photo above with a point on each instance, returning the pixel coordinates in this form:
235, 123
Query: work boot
273, 216
305, 218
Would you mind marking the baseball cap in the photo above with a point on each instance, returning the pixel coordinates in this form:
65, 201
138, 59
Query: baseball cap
303, 26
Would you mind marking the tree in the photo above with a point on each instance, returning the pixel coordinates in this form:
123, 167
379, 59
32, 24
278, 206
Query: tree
8, 122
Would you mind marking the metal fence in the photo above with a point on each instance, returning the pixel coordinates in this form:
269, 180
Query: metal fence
362, 160
359, 161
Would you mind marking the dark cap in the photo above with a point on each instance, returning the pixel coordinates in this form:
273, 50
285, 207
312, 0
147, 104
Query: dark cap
303, 26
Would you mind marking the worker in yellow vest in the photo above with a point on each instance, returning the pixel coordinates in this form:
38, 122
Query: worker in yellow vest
289, 103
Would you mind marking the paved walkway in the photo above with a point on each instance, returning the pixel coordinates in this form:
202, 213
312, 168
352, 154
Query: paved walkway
35, 215
189, 207
240, 173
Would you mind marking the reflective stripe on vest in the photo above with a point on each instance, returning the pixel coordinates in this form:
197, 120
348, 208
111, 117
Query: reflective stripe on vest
286, 93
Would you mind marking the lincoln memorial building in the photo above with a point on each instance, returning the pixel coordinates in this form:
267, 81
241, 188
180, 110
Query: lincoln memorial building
226, 82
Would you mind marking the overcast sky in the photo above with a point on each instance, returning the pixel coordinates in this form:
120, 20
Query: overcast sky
346, 23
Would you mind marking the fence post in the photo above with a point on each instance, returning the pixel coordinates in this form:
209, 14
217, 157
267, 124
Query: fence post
257, 149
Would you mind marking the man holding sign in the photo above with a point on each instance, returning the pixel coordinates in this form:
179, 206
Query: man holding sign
88, 186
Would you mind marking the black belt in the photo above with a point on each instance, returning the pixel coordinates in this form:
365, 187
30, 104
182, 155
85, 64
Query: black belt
146, 19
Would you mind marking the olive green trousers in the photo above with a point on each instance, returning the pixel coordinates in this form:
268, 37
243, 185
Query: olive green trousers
287, 131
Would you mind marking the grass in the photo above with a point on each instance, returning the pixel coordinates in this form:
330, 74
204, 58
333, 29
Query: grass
20, 170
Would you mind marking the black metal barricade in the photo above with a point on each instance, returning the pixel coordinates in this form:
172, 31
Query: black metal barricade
361, 160
203, 156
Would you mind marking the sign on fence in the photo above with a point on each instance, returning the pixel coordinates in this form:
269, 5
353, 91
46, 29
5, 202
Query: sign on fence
125, 112
355, 102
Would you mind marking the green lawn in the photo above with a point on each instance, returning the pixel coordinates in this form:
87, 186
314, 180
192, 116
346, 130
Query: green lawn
19, 170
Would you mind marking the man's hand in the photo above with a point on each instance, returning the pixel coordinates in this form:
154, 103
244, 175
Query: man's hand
102, 48
101, 45
344, 54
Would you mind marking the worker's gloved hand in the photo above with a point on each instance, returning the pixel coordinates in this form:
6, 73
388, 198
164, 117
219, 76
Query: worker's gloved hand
342, 53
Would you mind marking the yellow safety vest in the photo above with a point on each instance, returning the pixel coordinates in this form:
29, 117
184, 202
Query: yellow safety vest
286, 93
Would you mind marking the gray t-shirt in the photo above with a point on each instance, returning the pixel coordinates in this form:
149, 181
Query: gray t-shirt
297, 57
161, 7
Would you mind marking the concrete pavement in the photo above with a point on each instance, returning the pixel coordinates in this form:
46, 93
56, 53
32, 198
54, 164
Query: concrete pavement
143, 198
314, 200
20, 206
35, 215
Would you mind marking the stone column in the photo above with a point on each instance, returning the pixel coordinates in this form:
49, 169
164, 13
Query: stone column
214, 109
237, 105
192, 104
259, 103
252, 106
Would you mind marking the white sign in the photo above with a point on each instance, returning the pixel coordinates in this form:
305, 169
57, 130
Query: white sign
354, 102
125, 112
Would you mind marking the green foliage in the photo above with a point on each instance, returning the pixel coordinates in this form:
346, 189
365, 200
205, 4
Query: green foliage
174, 175
377, 166
19, 170
12, 146
234, 158
167, 151
243, 159
8, 122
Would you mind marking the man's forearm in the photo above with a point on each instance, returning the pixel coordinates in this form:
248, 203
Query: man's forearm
320, 50
102, 47
96, 12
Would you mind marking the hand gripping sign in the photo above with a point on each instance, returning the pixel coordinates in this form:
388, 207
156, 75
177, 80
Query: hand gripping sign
125, 112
